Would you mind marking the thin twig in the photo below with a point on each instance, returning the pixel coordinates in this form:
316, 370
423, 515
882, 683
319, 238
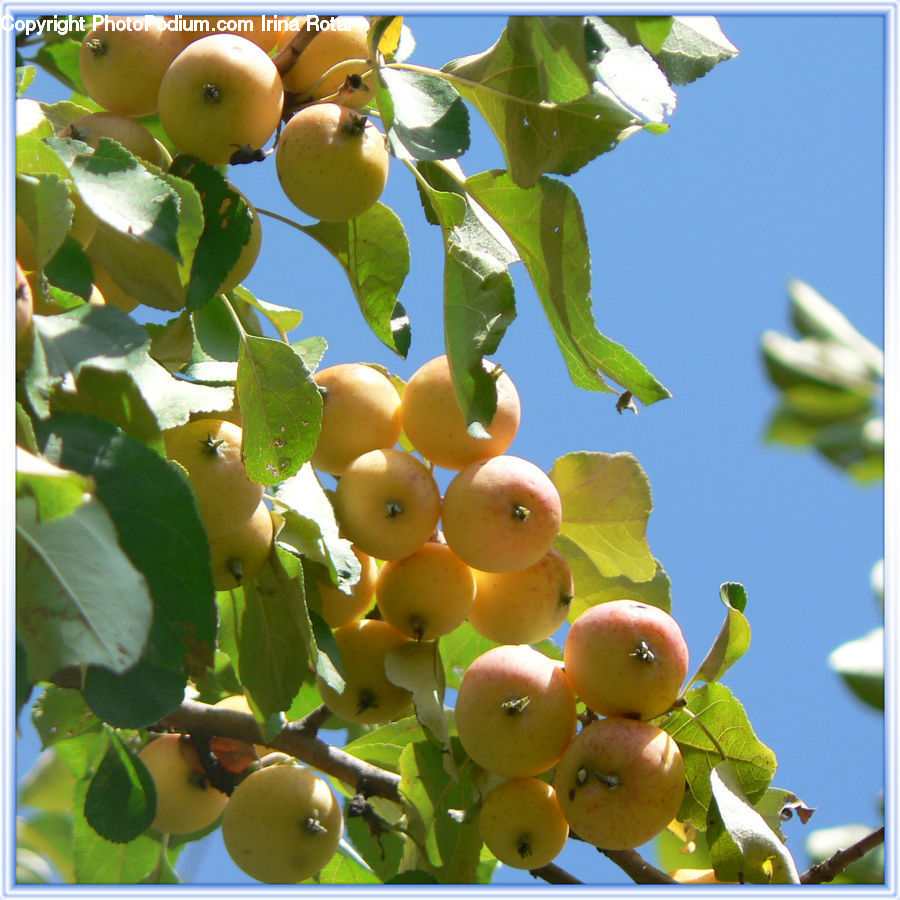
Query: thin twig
286, 58
829, 868
293, 739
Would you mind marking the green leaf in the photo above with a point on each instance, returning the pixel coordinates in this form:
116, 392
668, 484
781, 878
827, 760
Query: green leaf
631, 73
283, 318
48, 785
57, 492
452, 850
650, 31
592, 587
281, 409
373, 250
49, 834
44, 205
383, 745
606, 502
120, 802
417, 667
99, 861
546, 225
123, 193
714, 708
733, 639
860, 663
61, 715
271, 660
60, 59
507, 84
310, 527
422, 113
813, 316
24, 78
762, 856
694, 46
153, 506
227, 222
70, 269
343, 869
79, 599
459, 649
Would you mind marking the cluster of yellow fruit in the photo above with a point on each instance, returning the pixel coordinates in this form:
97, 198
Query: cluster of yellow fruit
237, 519
620, 780
219, 94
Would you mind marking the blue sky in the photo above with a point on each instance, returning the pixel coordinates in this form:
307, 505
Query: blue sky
773, 169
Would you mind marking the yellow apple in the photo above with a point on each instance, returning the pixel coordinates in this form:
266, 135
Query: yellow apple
332, 163
434, 422
222, 92
240, 554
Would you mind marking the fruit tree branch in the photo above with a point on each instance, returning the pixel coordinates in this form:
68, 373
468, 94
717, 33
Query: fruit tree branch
286, 58
636, 867
553, 874
829, 868
294, 739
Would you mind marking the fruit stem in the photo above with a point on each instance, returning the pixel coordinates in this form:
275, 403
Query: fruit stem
514, 707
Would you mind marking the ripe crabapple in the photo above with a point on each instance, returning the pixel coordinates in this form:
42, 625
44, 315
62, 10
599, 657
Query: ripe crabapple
338, 607
620, 782
220, 93
426, 594
185, 800
626, 658
240, 554
210, 451
525, 606
515, 711
282, 824
133, 135
332, 163
369, 696
522, 823
501, 514
387, 503
434, 422
360, 412
122, 68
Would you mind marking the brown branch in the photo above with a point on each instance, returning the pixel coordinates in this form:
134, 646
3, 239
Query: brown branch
636, 867
286, 58
553, 874
829, 868
294, 739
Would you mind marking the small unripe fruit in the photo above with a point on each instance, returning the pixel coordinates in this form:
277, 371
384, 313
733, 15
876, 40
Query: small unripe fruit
360, 412
282, 824
112, 293
522, 824
620, 783
387, 503
332, 163
222, 92
369, 696
515, 711
501, 514
185, 800
122, 69
210, 451
525, 606
434, 422
426, 594
626, 658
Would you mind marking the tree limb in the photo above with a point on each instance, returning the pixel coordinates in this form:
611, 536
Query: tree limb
829, 868
553, 874
286, 58
636, 867
296, 739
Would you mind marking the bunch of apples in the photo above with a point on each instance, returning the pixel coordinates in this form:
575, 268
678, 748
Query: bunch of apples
221, 97
483, 552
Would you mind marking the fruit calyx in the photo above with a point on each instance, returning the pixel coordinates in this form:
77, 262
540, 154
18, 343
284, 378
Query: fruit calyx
515, 706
